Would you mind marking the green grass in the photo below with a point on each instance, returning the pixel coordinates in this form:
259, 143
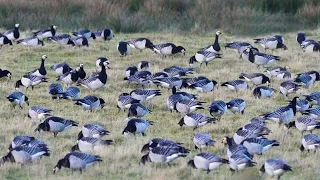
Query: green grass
121, 160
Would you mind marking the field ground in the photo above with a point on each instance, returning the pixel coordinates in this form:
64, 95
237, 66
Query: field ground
121, 160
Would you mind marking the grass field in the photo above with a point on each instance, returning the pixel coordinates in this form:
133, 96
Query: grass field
121, 160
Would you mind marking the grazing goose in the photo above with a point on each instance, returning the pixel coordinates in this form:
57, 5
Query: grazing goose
173, 100
183, 94
177, 71
42, 34
314, 98
41, 72
283, 114
189, 81
29, 80
263, 92
76, 160
30, 41
91, 103
101, 60
310, 46
203, 57
144, 95
271, 43
236, 105
207, 162
195, 120
284, 75
154, 76
25, 154
314, 74
70, 77
244, 54
13, 34
310, 142
92, 130
72, 93
139, 77
255, 78
138, 110
123, 48
185, 105
61, 68
5, 73
63, 39
288, 87
305, 123
275, 167
243, 134
204, 85
157, 142
236, 85
234, 148
95, 82
84, 33
163, 154
313, 112
257, 125
55, 125
17, 98
136, 126
19, 141
259, 145
125, 101
107, 34
261, 58
141, 43
258, 121
301, 36
215, 47
168, 49
39, 112
144, 65
217, 109
305, 80
4, 40
238, 46
55, 90
91, 145
168, 82
274, 71
302, 105
202, 140
238, 162
81, 41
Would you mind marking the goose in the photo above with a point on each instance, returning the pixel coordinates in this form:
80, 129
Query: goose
177, 71
185, 105
204, 85
302, 105
141, 43
61, 68
55, 125
256, 128
39, 112
70, 77
283, 114
203, 140
84, 33
13, 34
243, 134
102, 60
305, 123
203, 57
314, 98
125, 100
18, 98
138, 110
5, 73
263, 92
189, 81
107, 34
37, 143
19, 141
275, 167
183, 94
236, 85
215, 47
29, 80
91, 103
144, 95
289, 87
310, 46
71, 93
30, 41
217, 109
95, 82
157, 142
238, 162
244, 54
81, 41
25, 154
255, 78
236, 105
163, 154
284, 75
63, 39
135, 126
140, 77
4, 40
41, 72
238, 46
195, 120
168, 82
305, 80
91, 145
274, 71
261, 58
313, 112
314, 75
144, 65
310, 142
123, 48
207, 162
92, 130
258, 121
77, 161
168, 49
259, 145
234, 148
273, 43
301, 36
173, 100
42, 34
82, 73
55, 90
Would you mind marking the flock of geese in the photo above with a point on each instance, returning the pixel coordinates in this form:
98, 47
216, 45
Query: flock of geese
248, 141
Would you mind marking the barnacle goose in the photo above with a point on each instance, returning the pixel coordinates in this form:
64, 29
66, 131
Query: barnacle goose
141, 43
310, 142
305, 80
144, 95
55, 90
136, 125
236, 105
238, 46
204, 85
310, 45
217, 109
195, 120
276, 42
76, 160
25, 154
95, 82
71, 93
81, 41
70, 77
236, 85
168, 49
63, 39
55, 125
91, 145
314, 74
125, 101
30, 41
13, 34
163, 154
4, 40
203, 57
243, 134
92, 130
138, 110
215, 47
173, 100
258, 121
5, 73
131, 70
234, 148
275, 167
284, 75
261, 58
313, 112
123, 48
255, 78
314, 98
156, 142
42, 34
207, 162
305, 123
19, 141
186, 105
302, 105
263, 92
102, 60
301, 36
139, 77
82, 72
41, 72
39, 112
144, 65
17, 98
91, 103
203, 140
168, 82
288, 87
259, 145
84, 33
274, 70
256, 128
183, 94
189, 81
61, 68
107, 34
176, 71
29, 80
238, 162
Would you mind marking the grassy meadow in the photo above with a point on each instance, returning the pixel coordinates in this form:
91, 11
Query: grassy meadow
121, 161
